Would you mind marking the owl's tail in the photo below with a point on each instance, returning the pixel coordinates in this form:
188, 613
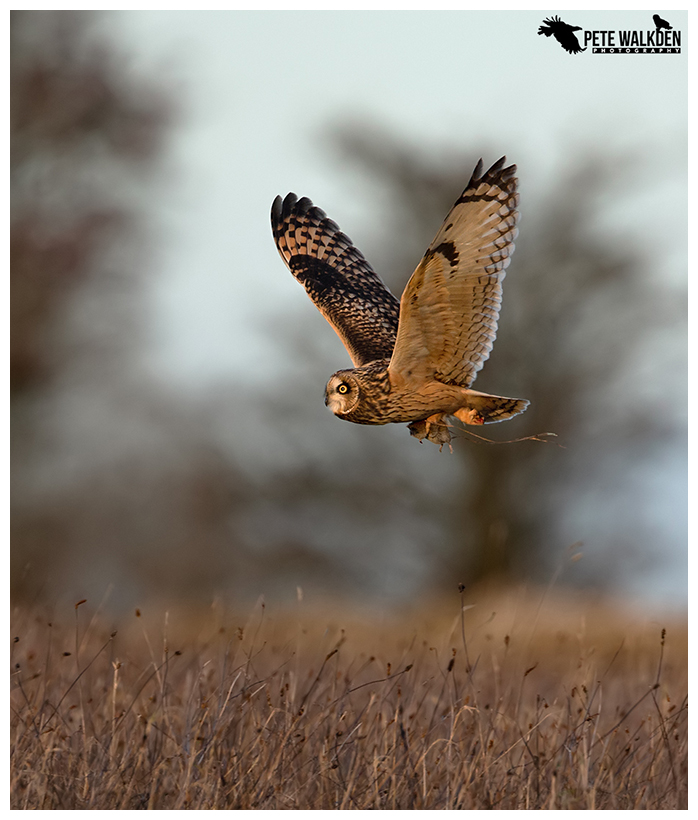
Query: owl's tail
485, 409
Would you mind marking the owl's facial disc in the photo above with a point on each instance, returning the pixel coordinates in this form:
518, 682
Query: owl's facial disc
341, 394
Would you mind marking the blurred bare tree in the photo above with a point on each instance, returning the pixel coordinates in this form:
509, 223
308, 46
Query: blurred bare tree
111, 480
115, 480
578, 313
72, 129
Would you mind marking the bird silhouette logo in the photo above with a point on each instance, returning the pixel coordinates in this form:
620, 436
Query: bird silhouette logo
563, 33
659, 24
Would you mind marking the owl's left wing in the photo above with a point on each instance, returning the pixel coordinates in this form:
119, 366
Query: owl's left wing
345, 288
450, 307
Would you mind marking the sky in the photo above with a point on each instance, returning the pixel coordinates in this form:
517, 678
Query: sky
256, 94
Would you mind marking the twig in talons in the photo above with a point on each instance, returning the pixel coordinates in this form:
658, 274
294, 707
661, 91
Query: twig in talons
544, 438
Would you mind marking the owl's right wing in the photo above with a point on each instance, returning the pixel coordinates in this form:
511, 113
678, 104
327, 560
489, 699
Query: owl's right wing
345, 288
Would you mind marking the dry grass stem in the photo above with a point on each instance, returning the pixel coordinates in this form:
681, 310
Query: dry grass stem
532, 707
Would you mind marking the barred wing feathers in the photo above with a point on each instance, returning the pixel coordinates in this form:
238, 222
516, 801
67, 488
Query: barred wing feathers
339, 280
450, 307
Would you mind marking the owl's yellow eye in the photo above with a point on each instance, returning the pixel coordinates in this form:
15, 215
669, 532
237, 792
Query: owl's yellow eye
343, 388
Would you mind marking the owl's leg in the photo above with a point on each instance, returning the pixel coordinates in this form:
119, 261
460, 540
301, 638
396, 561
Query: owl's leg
433, 429
485, 409
468, 415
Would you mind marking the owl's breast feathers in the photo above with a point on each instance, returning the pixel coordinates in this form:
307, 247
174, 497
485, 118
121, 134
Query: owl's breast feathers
386, 397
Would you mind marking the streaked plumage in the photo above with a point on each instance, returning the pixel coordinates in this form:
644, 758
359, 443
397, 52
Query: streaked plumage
414, 361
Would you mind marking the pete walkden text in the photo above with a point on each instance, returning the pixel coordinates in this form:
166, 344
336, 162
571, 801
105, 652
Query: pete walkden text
661, 40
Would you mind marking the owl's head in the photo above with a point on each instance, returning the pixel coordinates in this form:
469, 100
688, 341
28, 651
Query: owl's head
342, 393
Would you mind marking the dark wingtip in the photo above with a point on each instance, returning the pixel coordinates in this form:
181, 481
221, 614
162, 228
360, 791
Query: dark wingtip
281, 208
477, 173
276, 206
497, 167
282, 211
497, 170
301, 206
290, 204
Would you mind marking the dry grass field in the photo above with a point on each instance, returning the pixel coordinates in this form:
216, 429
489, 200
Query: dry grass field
521, 701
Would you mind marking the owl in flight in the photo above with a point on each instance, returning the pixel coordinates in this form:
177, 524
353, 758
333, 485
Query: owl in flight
414, 360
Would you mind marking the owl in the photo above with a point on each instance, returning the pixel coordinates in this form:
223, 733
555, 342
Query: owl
414, 360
